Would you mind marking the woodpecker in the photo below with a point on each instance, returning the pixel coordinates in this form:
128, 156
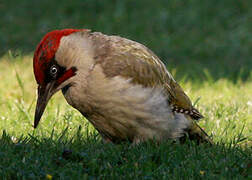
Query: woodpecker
119, 85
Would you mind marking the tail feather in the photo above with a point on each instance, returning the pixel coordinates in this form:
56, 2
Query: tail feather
196, 133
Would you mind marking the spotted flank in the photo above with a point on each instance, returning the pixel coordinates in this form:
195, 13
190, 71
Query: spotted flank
194, 113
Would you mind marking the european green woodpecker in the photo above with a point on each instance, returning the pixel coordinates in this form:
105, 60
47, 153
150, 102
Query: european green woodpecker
119, 85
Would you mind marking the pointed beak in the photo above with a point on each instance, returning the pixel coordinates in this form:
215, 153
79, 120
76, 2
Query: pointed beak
44, 94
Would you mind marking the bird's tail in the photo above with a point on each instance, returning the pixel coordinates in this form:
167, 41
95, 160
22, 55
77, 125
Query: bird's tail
196, 133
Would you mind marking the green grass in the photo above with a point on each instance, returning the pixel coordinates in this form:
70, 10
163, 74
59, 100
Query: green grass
214, 35
66, 146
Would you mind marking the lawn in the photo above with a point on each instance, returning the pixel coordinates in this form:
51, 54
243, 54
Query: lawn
66, 146
206, 45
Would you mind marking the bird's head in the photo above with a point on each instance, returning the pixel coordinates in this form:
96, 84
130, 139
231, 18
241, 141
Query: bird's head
51, 74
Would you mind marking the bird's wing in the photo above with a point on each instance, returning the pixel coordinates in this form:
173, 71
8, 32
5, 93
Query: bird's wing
132, 60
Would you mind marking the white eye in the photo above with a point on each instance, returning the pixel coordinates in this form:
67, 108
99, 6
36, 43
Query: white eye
53, 70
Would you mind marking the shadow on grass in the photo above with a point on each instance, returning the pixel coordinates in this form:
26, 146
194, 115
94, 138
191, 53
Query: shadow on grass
87, 157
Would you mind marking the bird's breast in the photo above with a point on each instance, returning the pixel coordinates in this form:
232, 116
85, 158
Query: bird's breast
120, 110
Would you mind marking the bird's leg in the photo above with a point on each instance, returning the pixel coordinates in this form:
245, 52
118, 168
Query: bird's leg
136, 141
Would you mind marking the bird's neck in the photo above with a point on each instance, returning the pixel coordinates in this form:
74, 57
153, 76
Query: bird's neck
76, 50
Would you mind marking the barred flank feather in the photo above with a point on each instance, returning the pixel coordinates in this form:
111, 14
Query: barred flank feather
193, 113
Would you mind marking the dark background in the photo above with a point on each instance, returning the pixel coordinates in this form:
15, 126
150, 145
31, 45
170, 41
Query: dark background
202, 40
